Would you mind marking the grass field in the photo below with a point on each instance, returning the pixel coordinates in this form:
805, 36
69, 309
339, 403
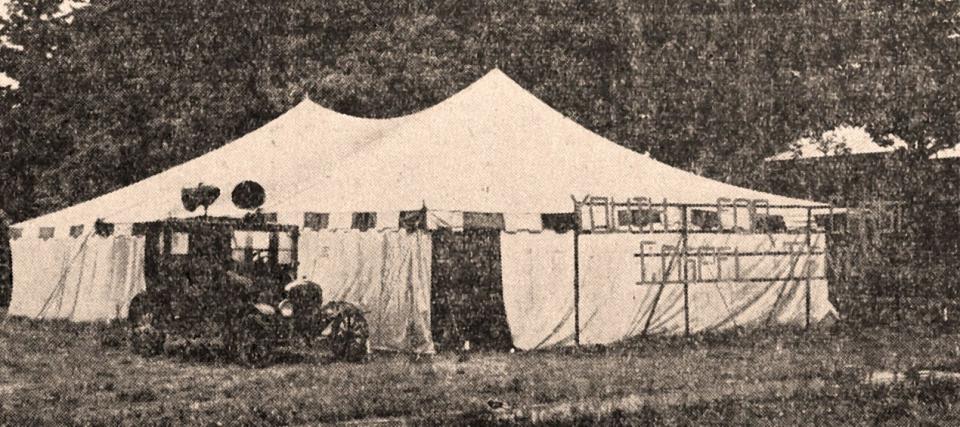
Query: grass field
60, 373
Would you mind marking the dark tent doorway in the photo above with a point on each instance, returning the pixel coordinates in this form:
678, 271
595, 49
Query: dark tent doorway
467, 290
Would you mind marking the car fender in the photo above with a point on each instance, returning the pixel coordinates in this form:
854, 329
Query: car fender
265, 309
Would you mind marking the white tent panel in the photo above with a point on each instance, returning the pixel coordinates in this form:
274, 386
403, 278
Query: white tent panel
538, 287
385, 273
81, 279
623, 297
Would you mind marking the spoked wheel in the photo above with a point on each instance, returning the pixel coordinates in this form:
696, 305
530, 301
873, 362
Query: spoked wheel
348, 332
247, 342
145, 338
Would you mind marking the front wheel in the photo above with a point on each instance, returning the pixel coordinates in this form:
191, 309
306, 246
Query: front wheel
348, 332
247, 342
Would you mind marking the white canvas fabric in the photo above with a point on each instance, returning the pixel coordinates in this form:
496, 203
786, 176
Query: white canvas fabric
88, 278
616, 303
386, 273
494, 147
491, 148
522, 222
452, 220
389, 220
537, 274
615, 306
295, 148
340, 221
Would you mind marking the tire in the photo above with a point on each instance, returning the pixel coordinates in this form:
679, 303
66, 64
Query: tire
137, 308
248, 342
145, 338
348, 332
308, 318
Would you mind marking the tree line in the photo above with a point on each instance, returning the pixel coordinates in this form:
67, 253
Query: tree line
116, 91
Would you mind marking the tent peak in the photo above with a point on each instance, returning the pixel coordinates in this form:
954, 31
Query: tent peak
489, 90
306, 102
496, 72
496, 78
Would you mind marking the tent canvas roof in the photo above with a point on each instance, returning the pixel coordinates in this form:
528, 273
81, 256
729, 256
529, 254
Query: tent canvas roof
285, 152
492, 147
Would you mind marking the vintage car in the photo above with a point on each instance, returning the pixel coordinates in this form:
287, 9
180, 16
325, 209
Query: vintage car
227, 284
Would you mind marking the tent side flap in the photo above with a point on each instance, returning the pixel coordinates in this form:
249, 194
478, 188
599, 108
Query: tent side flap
88, 278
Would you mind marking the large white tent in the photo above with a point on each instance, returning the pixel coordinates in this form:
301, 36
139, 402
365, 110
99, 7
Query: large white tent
491, 148
494, 147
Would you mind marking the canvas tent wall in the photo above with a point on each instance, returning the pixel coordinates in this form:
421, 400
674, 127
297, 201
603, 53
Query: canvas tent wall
494, 149
82, 278
492, 157
303, 143
737, 278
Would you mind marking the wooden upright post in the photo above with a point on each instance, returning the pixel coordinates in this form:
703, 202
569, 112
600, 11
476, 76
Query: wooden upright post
683, 272
807, 295
809, 265
576, 271
295, 251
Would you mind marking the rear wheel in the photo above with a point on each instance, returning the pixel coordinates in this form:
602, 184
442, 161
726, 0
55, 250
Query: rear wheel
247, 342
348, 332
145, 338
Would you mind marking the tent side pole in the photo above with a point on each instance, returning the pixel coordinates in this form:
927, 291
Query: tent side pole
576, 272
683, 261
576, 286
809, 268
295, 251
807, 295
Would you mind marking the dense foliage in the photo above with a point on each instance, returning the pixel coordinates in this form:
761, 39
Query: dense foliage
119, 90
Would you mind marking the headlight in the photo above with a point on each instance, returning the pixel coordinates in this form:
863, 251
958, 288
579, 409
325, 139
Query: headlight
286, 308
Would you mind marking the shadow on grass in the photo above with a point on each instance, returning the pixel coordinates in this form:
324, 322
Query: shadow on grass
114, 335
